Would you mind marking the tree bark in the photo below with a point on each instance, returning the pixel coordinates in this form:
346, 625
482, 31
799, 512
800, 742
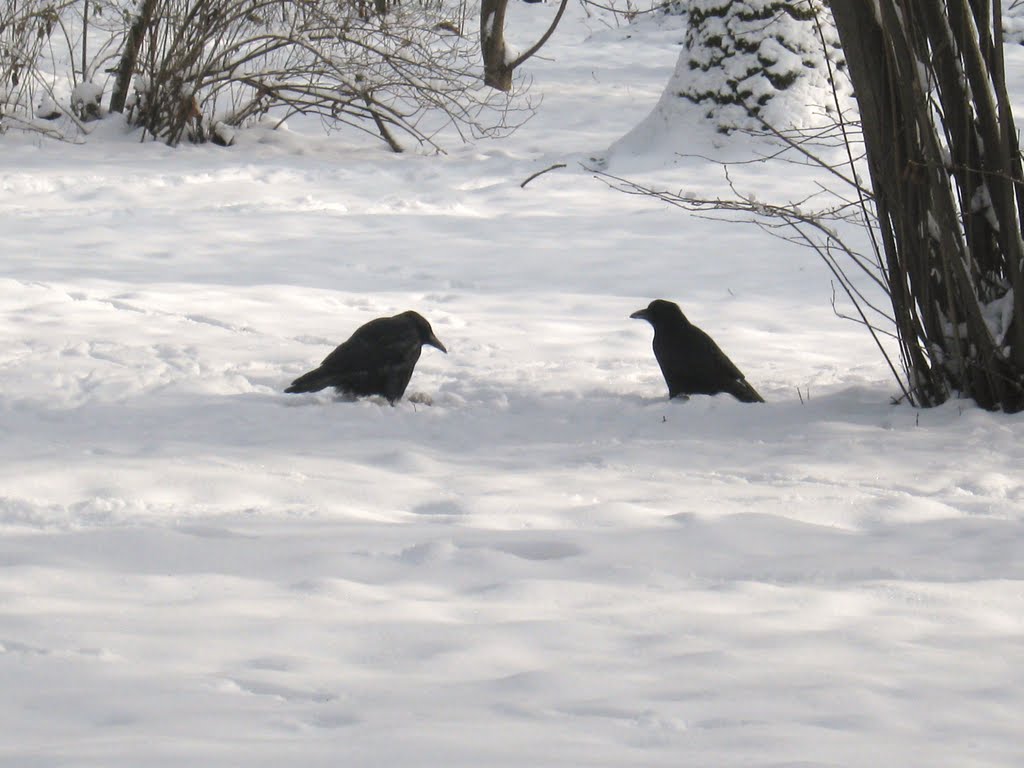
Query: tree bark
942, 155
130, 55
498, 67
497, 72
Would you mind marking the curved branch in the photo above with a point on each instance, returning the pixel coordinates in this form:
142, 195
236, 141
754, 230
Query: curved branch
543, 38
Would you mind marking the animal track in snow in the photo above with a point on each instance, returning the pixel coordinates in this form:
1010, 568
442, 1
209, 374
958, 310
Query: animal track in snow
540, 550
284, 693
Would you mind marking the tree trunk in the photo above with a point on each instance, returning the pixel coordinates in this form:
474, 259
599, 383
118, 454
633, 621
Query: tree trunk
497, 72
942, 156
498, 67
130, 55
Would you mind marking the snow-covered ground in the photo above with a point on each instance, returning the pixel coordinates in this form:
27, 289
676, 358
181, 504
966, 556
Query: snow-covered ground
552, 564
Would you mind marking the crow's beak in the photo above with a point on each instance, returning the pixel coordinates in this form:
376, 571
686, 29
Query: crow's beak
641, 314
436, 342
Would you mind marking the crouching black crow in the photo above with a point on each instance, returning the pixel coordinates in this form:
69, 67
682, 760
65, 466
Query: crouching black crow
378, 359
690, 360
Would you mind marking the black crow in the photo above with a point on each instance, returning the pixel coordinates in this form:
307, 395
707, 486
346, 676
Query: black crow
690, 361
378, 359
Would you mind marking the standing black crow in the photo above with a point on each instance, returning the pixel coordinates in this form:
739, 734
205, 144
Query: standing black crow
378, 359
690, 361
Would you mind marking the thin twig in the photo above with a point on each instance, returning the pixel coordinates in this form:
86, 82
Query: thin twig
540, 173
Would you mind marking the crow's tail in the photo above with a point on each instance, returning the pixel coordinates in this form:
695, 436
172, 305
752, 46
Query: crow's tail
745, 393
313, 381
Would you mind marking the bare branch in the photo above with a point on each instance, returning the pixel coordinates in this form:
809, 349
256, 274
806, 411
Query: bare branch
543, 38
533, 176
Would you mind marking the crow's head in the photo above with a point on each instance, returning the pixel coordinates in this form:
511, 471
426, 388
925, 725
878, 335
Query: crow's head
425, 331
661, 313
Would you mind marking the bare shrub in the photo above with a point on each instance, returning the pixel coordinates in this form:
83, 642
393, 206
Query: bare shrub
53, 57
26, 29
206, 65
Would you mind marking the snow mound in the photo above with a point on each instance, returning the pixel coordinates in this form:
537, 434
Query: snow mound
752, 66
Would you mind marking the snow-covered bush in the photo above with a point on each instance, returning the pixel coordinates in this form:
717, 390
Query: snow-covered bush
386, 69
748, 61
208, 66
85, 101
25, 30
51, 54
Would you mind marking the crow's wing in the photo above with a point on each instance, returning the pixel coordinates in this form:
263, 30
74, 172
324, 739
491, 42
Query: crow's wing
693, 363
378, 358
712, 357
732, 379
380, 343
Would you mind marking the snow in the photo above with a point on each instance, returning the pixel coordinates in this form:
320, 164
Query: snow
981, 201
550, 565
86, 93
750, 64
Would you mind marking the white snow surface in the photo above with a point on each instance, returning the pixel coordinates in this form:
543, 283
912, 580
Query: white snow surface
551, 564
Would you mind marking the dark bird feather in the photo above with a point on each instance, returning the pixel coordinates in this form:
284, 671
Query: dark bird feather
690, 360
378, 359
